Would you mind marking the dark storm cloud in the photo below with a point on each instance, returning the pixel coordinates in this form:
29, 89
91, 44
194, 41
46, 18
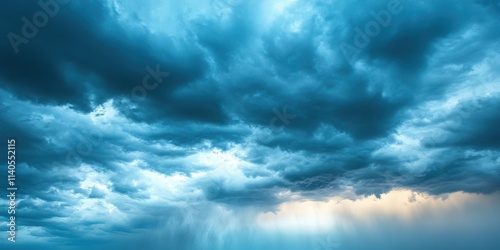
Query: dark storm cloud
346, 103
479, 130
408, 110
83, 55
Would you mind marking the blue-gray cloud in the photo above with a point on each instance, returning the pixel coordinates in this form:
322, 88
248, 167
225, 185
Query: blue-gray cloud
133, 118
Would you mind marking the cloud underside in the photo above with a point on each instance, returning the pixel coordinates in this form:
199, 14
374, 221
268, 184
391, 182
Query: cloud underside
143, 114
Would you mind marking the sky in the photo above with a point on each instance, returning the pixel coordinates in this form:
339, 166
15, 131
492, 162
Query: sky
259, 124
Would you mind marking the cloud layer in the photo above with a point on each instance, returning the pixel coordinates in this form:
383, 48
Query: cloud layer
176, 124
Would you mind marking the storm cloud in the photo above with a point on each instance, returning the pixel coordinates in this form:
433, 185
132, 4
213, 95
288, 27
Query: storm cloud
176, 125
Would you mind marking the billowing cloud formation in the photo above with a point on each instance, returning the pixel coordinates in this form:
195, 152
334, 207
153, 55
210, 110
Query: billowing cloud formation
163, 124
